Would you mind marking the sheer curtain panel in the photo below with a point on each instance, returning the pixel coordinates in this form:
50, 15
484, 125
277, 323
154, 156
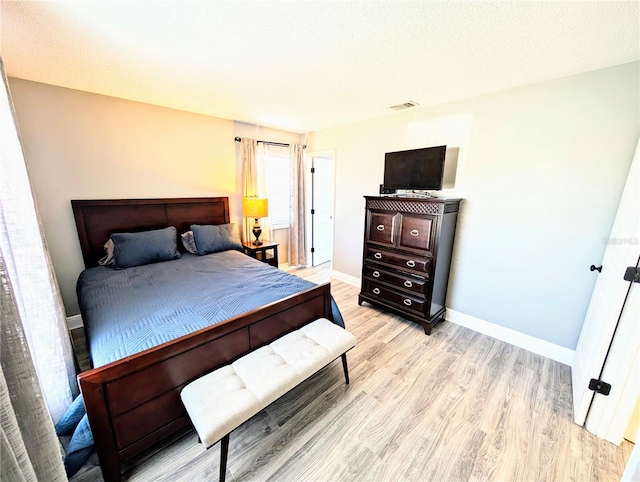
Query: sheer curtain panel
29, 448
264, 151
28, 266
254, 180
297, 240
248, 149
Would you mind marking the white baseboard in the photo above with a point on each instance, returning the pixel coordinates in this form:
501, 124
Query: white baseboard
74, 321
347, 278
536, 345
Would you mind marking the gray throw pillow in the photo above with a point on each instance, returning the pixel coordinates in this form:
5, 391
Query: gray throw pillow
136, 249
215, 238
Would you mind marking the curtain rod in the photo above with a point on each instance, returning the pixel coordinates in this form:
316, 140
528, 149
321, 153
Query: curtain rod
269, 143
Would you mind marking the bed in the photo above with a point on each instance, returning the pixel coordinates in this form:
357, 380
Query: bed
132, 393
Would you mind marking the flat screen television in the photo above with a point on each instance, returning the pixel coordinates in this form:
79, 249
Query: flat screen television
416, 169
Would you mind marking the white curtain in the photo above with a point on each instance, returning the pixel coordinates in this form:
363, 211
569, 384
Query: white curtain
27, 260
248, 149
261, 153
254, 181
297, 239
29, 448
36, 357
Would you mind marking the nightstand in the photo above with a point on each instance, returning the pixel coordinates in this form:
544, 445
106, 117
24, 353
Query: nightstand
261, 253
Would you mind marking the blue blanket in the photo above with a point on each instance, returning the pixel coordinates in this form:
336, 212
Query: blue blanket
127, 311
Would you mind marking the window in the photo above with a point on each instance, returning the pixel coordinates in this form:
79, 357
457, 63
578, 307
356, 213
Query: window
277, 166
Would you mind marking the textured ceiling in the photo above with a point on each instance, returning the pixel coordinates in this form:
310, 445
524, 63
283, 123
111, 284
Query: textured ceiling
306, 66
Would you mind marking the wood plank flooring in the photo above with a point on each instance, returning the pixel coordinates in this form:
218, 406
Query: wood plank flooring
456, 405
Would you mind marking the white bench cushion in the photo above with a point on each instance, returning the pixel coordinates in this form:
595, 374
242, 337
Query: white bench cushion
222, 400
265, 374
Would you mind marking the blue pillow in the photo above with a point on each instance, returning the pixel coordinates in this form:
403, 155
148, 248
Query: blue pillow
136, 249
80, 448
71, 417
215, 238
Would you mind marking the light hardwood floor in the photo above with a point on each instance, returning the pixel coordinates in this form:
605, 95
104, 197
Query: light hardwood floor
456, 405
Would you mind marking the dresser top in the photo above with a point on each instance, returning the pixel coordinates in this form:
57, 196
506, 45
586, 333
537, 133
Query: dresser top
441, 200
418, 205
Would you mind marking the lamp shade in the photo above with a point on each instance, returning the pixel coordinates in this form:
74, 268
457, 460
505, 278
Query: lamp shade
255, 207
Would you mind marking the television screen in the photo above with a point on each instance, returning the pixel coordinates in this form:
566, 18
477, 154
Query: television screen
418, 169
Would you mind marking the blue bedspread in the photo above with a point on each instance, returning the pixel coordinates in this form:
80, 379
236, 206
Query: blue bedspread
127, 311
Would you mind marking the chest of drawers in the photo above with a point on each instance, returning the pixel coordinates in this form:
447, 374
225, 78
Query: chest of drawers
408, 244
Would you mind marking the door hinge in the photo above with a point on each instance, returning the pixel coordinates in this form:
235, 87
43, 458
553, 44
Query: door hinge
313, 170
599, 386
313, 211
632, 274
313, 250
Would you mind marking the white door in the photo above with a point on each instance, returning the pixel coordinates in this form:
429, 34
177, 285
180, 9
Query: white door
609, 416
608, 298
322, 180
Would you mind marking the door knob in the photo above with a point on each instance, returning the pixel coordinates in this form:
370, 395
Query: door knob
596, 268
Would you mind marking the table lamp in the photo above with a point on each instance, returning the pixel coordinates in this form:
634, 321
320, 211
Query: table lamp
256, 208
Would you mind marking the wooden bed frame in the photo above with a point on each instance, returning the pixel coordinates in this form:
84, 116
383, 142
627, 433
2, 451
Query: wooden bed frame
133, 403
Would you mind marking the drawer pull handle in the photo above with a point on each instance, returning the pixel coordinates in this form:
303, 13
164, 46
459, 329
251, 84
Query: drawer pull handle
414, 232
376, 291
407, 302
411, 263
378, 255
376, 274
408, 284
380, 227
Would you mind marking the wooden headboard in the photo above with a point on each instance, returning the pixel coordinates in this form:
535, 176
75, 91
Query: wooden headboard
96, 220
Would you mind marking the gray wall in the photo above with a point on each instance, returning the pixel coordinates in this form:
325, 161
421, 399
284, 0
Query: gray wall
541, 169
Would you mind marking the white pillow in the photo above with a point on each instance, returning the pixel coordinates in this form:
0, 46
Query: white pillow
108, 257
189, 242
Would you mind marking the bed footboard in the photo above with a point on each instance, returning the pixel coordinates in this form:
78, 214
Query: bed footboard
134, 402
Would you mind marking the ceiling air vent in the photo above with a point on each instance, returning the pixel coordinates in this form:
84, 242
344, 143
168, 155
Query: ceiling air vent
404, 105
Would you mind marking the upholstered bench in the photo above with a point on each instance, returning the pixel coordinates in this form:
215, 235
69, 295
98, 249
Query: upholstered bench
222, 400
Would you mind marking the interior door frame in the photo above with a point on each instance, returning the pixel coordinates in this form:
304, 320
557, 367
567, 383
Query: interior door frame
308, 163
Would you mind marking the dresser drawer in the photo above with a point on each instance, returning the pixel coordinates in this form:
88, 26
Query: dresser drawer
406, 302
416, 232
380, 228
401, 260
408, 282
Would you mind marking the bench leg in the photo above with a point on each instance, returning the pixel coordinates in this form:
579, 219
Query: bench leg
345, 367
224, 452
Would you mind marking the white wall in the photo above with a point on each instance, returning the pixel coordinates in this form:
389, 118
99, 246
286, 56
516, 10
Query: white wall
86, 146
541, 169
